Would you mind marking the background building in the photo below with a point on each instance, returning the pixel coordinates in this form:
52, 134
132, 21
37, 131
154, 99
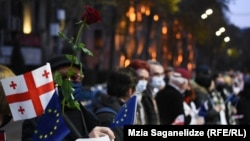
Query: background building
174, 32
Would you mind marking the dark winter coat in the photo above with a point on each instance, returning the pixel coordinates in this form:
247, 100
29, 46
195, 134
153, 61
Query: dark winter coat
243, 105
203, 95
170, 104
106, 118
150, 111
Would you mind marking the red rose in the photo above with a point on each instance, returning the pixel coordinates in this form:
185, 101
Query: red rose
91, 15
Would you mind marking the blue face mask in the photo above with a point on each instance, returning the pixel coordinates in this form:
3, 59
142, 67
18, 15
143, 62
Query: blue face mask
141, 85
157, 82
81, 94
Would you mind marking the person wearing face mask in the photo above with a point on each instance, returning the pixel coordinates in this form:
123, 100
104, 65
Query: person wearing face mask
81, 122
148, 113
170, 99
156, 77
121, 85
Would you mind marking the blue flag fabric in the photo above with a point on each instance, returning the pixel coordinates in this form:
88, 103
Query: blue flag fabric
233, 98
127, 113
51, 125
203, 110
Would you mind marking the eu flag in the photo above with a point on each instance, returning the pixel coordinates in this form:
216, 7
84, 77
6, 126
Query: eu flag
51, 125
127, 113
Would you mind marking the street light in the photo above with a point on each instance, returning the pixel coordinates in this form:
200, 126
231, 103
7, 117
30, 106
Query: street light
203, 16
27, 19
207, 13
220, 31
226, 39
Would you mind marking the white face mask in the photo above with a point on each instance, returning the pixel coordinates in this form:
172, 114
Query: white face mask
141, 85
158, 82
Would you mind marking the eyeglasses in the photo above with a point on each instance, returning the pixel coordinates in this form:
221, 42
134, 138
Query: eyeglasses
77, 77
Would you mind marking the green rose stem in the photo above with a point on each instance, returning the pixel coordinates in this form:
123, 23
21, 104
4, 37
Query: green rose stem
75, 44
90, 16
80, 31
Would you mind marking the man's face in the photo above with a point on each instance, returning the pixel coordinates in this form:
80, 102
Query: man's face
157, 75
156, 70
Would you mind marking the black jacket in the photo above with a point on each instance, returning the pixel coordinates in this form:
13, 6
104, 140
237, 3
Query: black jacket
202, 95
170, 104
106, 118
243, 107
149, 107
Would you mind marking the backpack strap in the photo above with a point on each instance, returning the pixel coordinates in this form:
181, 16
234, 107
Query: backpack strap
105, 109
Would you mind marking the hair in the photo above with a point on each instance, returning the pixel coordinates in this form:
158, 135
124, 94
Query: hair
139, 64
121, 80
154, 62
4, 73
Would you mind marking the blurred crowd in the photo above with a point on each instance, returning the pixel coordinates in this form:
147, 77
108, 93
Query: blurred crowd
180, 96
165, 96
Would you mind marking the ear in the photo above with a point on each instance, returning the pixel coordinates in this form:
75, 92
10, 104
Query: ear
130, 92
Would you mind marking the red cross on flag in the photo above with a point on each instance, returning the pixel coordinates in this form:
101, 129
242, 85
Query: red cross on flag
29, 94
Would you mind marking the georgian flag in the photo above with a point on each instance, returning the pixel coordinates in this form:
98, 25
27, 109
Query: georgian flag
29, 94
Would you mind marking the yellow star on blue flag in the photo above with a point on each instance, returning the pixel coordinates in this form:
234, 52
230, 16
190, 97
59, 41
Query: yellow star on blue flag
51, 125
127, 113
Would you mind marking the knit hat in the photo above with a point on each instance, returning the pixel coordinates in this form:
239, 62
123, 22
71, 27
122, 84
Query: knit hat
203, 76
184, 73
203, 80
203, 70
177, 80
59, 61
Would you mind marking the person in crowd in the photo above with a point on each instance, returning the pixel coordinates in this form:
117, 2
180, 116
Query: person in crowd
168, 72
170, 99
222, 84
208, 100
218, 103
156, 81
149, 114
156, 76
121, 85
83, 121
190, 108
238, 82
11, 128
243, 105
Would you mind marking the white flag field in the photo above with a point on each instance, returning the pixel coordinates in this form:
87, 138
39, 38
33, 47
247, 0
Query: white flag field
29, 94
